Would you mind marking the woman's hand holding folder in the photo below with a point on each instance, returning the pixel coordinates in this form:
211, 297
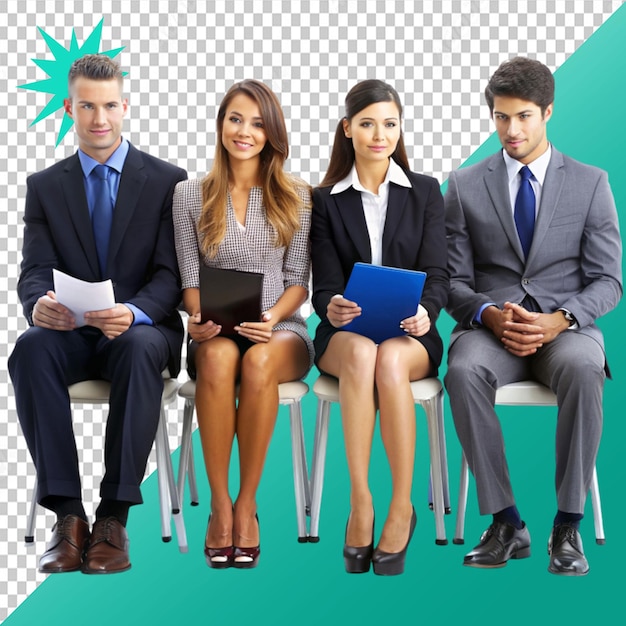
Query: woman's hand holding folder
341, 311
257, 332
202, 332
418, 324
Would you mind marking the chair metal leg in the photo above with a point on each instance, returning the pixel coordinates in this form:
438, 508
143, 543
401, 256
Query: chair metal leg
597, 509
305, 468
444, 461
443, 454
431, 407
185, 449
300, 476
460, 514
32, 516
317, 466
168, 492
171, 482
164, 501
191, 474
181, 532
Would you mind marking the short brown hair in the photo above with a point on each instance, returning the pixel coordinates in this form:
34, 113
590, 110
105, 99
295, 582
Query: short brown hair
523, 78
95, 67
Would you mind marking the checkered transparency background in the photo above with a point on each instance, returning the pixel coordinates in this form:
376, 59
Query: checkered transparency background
181, 57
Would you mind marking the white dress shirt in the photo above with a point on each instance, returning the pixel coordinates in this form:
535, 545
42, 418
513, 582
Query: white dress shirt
374, 205
538, 169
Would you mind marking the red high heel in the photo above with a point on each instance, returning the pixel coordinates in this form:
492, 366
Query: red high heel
247, 558
218, 558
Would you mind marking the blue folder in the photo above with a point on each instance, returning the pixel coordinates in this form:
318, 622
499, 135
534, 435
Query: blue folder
386, 295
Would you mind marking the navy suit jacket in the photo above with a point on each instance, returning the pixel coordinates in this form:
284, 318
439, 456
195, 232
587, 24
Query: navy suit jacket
414, 238
142, 258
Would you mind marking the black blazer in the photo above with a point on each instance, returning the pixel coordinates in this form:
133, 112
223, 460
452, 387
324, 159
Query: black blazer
414, 238
142, 258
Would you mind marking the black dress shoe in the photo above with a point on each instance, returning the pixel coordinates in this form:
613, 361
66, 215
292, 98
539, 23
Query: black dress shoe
64, 552
392, 563
499, 543
357, 559
566, 552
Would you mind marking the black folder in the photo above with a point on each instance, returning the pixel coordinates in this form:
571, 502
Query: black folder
386, 295
229, 297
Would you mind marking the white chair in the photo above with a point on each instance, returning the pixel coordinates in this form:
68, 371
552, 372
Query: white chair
523, 393
428, 393
289, 394
97, 392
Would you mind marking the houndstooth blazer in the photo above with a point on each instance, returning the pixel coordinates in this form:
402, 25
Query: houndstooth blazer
251, 249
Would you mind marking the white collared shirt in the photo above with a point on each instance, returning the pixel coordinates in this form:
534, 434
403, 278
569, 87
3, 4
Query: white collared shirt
538, 169
374, 205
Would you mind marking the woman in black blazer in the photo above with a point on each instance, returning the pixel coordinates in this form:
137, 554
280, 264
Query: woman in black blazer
371, 208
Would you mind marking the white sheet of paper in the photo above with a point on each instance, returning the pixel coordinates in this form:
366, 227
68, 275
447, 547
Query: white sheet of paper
80, 296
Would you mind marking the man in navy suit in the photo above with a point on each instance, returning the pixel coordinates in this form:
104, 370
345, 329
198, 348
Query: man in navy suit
534, 255
103, 213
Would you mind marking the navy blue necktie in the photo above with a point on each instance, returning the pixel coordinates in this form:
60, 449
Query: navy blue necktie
525, 210
102, 214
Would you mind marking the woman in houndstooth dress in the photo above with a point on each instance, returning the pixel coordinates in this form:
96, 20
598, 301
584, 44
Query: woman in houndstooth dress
246, 214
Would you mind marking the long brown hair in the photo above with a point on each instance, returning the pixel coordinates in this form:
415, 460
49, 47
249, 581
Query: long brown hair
359, 97
280, 198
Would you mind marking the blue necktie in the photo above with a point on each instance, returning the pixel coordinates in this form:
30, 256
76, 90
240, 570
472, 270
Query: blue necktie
525, 210
102, 214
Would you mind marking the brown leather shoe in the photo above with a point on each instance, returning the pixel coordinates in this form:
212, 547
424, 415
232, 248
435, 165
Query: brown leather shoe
108, 549
64, 552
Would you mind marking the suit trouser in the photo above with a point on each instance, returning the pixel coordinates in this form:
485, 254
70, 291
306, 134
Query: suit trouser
573, 366
44, 362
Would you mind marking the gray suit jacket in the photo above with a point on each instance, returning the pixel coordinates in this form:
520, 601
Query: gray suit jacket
576, 255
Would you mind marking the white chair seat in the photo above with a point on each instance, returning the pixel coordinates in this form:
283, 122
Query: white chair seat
525, 392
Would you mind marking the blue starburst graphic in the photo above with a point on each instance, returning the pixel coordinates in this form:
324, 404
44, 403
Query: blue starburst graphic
58, 68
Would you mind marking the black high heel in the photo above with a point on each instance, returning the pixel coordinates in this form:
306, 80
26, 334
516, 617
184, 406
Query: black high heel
392, 563
357, 559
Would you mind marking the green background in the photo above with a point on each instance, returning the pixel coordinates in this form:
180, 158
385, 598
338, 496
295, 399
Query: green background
305, 583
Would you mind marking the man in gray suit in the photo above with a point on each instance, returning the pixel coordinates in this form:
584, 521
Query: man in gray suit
534, 259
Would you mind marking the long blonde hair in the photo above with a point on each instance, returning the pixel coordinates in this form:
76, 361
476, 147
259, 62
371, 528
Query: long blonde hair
280, 198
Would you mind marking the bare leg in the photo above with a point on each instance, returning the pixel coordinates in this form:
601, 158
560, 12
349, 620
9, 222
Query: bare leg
264, 366
352, 359
400, 361
217, 364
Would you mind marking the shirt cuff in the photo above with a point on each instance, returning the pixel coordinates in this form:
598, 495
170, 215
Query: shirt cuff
139, 316
478, 318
